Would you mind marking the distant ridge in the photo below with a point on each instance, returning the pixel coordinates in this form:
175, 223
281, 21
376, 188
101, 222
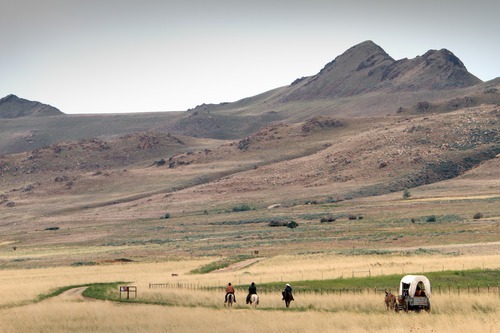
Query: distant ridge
366, 67
12, 106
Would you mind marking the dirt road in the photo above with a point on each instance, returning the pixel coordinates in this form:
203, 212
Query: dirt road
238, 265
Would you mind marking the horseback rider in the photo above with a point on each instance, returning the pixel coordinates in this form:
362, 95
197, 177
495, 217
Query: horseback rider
229, 290
251, 290
288, 290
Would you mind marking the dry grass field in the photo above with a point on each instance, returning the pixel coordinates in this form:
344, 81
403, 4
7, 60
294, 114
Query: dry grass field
203, 310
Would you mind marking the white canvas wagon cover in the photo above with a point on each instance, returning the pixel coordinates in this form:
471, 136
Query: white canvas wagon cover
413, 281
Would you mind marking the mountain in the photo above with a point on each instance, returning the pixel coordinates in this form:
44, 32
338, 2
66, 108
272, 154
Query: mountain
12, 106
364, 81
366, 67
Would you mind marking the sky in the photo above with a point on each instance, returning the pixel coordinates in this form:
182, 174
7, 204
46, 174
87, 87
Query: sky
118, 56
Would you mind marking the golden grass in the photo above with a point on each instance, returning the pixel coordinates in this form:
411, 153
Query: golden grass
354, 314
18, 286
198, 310
25, 284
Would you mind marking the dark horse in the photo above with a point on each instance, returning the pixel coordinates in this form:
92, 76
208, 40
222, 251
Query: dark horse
288, 297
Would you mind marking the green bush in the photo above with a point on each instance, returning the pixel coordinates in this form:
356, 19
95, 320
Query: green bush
431, 218
406, 194
165, 216
292, 224
241, 208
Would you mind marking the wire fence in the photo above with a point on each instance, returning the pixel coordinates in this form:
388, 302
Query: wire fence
449, 289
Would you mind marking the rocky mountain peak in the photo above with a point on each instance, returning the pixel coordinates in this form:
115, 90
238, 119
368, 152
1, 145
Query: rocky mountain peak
366, 67
12, 106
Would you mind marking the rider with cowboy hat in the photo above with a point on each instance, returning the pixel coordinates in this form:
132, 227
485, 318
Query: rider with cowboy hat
288, 290
251, 290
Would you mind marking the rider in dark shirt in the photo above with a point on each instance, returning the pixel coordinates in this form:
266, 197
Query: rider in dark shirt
251, 290
288, 290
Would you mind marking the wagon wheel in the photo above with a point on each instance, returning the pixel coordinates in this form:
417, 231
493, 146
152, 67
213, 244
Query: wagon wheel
406, 306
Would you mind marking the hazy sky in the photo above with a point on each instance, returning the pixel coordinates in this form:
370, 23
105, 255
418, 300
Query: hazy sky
89, 56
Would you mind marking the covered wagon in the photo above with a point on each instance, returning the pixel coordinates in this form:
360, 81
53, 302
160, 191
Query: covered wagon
414, 293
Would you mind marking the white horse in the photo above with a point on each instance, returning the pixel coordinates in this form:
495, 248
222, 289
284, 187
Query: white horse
230, 300
254, 300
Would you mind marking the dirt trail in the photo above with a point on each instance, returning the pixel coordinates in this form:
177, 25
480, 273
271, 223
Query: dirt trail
74, 293
238, 265
77, 293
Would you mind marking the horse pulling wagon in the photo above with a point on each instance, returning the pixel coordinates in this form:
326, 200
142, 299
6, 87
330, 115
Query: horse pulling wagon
414, 293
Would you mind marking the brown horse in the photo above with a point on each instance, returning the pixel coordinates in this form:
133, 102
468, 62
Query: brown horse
390, 301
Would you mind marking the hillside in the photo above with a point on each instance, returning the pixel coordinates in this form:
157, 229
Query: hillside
12, 106
319, 159
109, 196
211, 180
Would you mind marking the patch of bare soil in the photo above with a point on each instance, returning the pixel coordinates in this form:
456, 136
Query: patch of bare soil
239, 265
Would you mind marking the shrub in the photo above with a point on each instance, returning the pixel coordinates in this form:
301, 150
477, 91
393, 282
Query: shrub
292, 224
431, 218
241, 208
276, 223
406, 194
327, 219
478, 216
311, 202
165, 216
83, 263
